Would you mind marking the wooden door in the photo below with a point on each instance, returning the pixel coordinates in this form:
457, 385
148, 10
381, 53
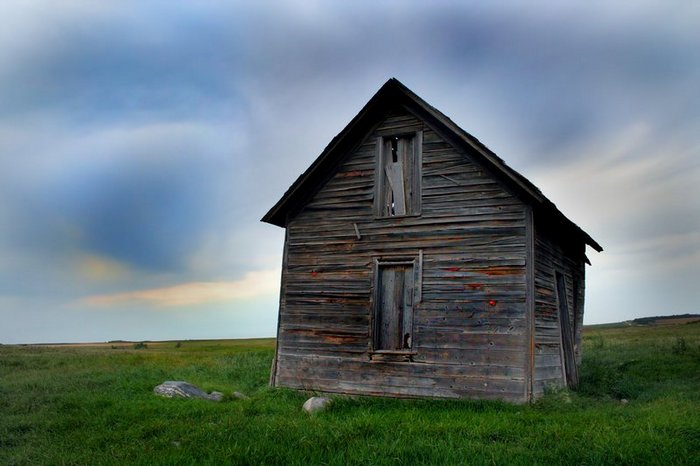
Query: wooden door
567, 335
394, 307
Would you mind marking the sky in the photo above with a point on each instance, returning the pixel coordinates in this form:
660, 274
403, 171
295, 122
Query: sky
142, 141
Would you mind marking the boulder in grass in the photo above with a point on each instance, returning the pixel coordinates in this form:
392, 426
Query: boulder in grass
181, 389
316, 403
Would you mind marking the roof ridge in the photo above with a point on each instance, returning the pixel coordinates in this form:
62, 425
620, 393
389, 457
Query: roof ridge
384, 97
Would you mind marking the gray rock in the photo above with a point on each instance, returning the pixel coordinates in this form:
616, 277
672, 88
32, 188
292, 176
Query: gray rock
316, 403
240, 396
181, 389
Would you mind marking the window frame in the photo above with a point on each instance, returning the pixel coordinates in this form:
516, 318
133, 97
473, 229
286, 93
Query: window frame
416, 188
415, 262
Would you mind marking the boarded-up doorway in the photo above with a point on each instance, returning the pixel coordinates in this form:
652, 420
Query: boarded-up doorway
567, 335
394, 306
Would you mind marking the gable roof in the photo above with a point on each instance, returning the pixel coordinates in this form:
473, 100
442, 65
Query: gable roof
391, 95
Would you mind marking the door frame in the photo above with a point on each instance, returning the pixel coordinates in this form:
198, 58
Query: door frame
567, 337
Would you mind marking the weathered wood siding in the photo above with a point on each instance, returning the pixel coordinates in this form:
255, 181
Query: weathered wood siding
550, 257
470, 332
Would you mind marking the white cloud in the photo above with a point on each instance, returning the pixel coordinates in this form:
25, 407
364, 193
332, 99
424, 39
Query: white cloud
252, 285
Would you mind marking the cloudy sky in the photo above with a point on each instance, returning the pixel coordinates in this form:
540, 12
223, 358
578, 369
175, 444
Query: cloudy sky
141, 142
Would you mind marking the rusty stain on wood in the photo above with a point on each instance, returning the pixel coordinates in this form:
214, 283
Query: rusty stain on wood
354, 173
501, 270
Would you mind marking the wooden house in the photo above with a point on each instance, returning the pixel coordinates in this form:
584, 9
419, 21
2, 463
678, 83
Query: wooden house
417, 263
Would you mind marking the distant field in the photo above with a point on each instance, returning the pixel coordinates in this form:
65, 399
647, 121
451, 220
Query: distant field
639, 403
650, 321
191, 344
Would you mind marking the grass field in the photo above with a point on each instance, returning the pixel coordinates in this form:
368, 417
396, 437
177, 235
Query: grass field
94, 405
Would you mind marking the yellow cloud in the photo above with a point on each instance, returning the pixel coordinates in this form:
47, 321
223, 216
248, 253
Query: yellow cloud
94, 267
253, 284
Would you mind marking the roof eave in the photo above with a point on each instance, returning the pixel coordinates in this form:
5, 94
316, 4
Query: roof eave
277, 214
394, 92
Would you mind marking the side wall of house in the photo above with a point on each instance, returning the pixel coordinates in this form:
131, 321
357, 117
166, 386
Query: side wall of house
470, 333
552, 257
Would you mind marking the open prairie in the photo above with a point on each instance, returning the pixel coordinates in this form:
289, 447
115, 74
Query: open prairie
639, 403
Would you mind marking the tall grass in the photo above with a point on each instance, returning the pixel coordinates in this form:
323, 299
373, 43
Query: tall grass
642, 362
94, 405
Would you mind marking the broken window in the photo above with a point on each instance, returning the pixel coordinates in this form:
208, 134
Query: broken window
394, 306
398, 176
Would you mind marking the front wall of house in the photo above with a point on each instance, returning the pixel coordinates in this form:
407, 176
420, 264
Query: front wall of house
469, 328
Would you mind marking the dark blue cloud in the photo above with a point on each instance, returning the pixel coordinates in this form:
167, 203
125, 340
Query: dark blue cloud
146, 199
109, 68
150, 216
560, 77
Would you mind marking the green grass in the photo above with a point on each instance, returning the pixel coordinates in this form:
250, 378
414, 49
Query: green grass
94, 405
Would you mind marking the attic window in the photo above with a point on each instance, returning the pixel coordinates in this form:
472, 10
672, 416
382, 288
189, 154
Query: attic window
398, 190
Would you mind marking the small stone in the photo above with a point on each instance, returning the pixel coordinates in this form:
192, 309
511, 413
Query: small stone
624, 401
240, 396
181, 389
316, 403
